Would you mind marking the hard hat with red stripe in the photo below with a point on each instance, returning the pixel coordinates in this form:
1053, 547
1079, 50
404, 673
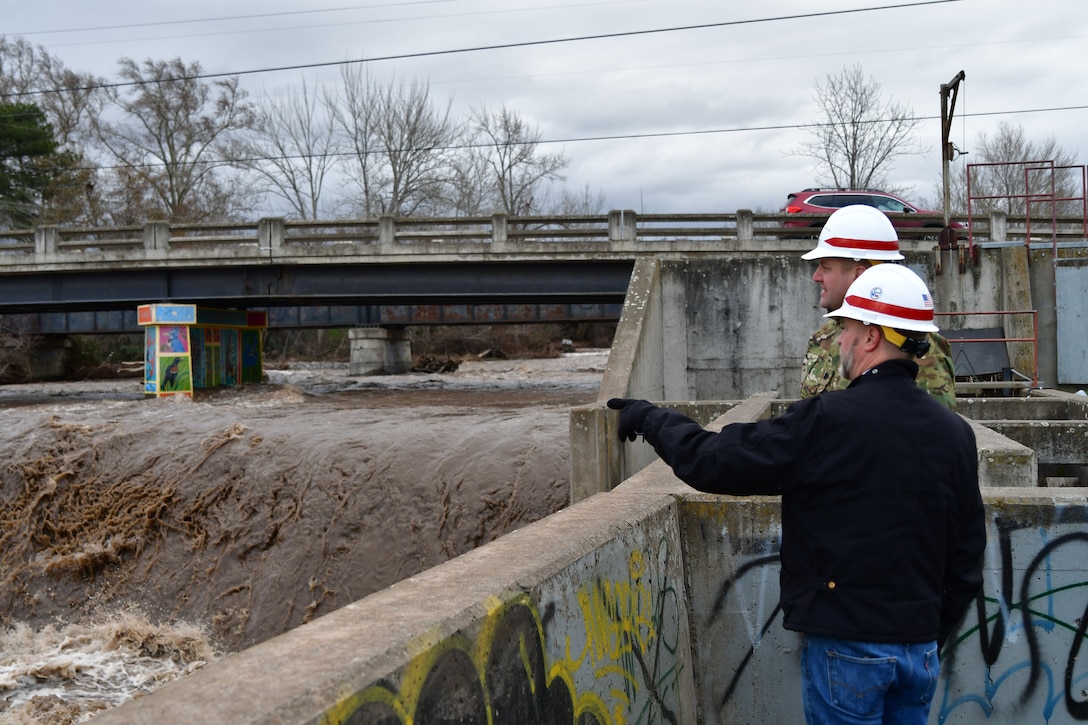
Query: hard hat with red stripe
857, 232
889, 295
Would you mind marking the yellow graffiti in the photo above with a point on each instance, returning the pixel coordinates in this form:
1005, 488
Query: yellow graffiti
619, 631
618, 615
402, 703
585, 703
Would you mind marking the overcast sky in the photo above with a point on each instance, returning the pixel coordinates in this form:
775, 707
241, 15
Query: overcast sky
687, 106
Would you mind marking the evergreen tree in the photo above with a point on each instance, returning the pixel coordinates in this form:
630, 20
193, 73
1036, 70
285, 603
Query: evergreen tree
27, 163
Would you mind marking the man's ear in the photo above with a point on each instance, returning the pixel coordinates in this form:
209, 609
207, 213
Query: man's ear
859, 268
873, 337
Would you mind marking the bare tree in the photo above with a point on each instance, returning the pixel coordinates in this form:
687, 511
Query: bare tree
70, 101
471, 188
171, 139
354, 114
291, 148
580, 202
416, 140
860, 133
518, 169
401, 143
1008, 168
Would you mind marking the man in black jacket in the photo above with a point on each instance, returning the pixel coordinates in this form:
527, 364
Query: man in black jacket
883, 527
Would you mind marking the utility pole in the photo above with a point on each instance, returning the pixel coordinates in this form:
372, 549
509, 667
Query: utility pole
948, 152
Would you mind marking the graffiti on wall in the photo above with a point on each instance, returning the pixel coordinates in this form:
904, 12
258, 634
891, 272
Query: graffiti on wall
1015, 656
607, 654
1021, 645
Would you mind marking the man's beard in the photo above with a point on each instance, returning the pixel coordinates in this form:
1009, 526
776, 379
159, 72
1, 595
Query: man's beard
846, 363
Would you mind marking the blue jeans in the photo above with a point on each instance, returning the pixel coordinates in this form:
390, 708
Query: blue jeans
867, 683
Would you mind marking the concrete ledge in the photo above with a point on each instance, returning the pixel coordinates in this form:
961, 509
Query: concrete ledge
1054, 441
599, 462
579, 615
1003, 462
1042, 405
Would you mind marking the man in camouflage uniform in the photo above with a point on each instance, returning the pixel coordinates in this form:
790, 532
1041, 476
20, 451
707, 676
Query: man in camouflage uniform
853, 239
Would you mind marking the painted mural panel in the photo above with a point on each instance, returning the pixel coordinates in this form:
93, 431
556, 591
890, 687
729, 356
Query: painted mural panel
231, 357
197, 357
252, 369
151, 368
174, 375
173, 339
213, 366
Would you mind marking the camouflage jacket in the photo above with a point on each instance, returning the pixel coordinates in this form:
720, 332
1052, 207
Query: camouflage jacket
820, 371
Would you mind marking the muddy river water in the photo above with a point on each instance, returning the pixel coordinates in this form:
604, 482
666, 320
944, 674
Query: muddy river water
142, 538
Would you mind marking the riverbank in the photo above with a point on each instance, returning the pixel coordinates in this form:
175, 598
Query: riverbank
243, 513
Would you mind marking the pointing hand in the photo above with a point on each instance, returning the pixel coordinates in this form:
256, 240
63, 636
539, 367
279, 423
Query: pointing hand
632, 416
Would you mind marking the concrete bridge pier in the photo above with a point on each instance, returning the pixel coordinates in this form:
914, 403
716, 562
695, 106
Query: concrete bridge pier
379, 351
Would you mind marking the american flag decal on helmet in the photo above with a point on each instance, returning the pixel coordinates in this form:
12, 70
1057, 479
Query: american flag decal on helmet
927, 300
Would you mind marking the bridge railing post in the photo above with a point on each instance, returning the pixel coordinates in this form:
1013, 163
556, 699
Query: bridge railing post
387, 230
499, 232
45, 239
622, 225
999, 226
270, 234
745, 228
156, 235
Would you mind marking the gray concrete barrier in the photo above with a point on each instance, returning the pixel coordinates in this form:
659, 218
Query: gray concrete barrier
650, 603
579, 617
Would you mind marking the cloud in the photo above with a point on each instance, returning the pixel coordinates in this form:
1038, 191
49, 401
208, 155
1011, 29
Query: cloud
748, 75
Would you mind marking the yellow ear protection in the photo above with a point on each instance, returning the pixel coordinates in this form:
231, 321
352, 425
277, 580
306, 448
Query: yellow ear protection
913, 346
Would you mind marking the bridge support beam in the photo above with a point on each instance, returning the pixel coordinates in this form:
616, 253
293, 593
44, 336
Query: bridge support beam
379, 350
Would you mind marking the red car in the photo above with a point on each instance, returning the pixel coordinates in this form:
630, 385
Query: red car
825, 201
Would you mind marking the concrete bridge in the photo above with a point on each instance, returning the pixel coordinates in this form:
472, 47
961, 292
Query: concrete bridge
381, 272
370, 275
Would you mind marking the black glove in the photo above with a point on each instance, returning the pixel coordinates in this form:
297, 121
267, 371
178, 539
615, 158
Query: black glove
632, 416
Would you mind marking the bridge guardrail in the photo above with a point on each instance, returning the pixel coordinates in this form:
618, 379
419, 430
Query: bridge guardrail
498, 232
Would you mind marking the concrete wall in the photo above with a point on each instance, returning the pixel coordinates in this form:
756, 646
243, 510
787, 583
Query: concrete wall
650, 603
720, 328
581, 617
1014, 658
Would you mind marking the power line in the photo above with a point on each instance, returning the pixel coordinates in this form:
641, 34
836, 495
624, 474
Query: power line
252, 16
582, 139
295, 28
482, 48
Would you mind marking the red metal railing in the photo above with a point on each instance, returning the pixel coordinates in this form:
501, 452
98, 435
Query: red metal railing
1040, 187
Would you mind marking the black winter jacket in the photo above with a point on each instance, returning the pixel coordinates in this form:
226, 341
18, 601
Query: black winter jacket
882, 522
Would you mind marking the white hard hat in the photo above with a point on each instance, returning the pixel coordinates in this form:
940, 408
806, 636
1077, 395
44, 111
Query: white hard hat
857, 231
889, 295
